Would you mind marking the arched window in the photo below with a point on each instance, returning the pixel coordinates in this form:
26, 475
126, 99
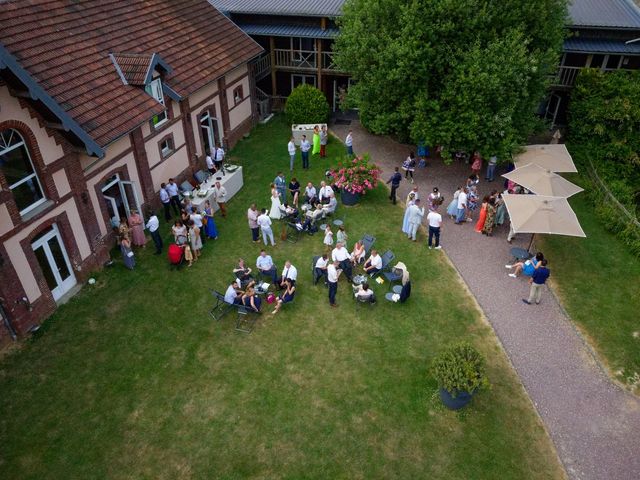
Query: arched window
17, 168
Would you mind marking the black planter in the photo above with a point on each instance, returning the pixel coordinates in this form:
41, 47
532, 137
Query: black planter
349, 198
461, 399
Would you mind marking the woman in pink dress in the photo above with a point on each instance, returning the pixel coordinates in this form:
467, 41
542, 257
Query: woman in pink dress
137, 229
476, 163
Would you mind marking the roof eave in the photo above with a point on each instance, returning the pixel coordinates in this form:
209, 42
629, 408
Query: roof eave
7, 60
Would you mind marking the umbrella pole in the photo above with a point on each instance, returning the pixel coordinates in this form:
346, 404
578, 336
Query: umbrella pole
531, 242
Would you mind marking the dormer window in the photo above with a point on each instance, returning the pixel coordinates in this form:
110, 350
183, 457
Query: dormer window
154, 88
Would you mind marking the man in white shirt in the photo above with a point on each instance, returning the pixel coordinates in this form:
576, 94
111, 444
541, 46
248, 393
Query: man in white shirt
264, 222
435, 225
320, 268
291, 147
341, 255
416, 194
152, 225
220, 197
265, 265
172, 190
310, 194
166, 201
219, 158
305, 146
252, 217
332, 279
349, 143
210, 164
233, 294
289, 272
373, 264
462, 208
325, 192
416, 213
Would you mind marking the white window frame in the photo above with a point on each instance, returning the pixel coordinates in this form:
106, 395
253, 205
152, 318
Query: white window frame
63, 286
165, 152
4, 148
155, 90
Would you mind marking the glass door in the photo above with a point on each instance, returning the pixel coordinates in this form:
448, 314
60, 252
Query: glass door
209, 129
130, 196
54, 262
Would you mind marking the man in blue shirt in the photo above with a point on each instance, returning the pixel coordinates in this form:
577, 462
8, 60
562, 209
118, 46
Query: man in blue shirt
265, 265
395, 180
537, 280
305, 146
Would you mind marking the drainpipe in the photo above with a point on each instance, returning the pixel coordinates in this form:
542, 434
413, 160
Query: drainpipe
7, 322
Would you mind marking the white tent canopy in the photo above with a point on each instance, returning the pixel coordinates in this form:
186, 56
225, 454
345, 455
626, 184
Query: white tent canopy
542, 214
553, 157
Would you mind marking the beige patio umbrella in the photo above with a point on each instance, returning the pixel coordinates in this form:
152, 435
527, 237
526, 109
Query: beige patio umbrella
542, 214
542, 181
554, 157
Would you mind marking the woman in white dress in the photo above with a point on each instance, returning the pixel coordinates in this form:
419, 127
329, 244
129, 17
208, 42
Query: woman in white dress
275, 212
406, 228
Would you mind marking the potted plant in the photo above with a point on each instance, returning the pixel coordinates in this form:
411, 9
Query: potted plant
460, 373
354, 177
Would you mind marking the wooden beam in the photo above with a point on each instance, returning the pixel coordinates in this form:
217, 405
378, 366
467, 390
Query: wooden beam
272, 53
319, 61
55, 126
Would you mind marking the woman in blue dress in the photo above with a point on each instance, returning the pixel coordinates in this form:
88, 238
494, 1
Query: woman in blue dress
210, 228
127, 254
405, 221
287, 295
251, 300
452, 209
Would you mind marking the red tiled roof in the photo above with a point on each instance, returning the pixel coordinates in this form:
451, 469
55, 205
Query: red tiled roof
65, 46
134, 67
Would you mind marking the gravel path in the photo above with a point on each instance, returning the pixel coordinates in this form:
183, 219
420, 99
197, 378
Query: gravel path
594, 424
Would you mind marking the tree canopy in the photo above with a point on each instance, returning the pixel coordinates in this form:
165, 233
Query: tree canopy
463, 74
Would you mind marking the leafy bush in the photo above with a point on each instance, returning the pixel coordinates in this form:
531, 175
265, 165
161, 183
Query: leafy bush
356, 175
306, 104
460, 368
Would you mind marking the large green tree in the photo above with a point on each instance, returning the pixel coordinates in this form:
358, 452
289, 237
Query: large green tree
464, 74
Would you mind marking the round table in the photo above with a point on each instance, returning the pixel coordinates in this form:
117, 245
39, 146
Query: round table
338, 222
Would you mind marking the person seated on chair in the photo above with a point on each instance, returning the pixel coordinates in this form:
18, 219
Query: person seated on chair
320, 269
312, 217
373, 264
286, 296
289, 211
357, 256
310, 194
341, 255
233, 295
365, 293
251, 300
265, 266
289, 272
330, 207
242, 272
325, 193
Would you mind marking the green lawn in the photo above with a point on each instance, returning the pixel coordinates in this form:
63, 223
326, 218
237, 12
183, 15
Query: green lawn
599, 283
132, 378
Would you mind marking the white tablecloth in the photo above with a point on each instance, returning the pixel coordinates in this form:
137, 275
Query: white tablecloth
231, 181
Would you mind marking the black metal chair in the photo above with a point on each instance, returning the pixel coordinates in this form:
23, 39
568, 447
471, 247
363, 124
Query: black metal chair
367, 243
247, 319
293, 233
387, 258
221, 308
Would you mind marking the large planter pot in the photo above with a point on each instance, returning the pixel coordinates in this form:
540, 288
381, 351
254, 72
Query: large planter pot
460, 400
349, 198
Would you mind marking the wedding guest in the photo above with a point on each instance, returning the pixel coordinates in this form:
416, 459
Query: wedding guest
173, 191
242, 272
276, 203
330, 207
220, 197
358, 253
434, 219
373, 264
196, 240
138, 238
349, 143
252, 217
341, 236
127, 254
341, 255
324, 139
364, 292
210, 227
305, 146
406, 228
310, 194
316, 140
210, 163
294, 189
251, 300
264, 222
416, 213
476, 163
320, 268
289, 273
395, 180
328, 237
219, 158
332, 280
291, 147
233, 295
265, 266
324, 195
490, 219
280, 183
435, 199
123, 229
179, 230
452, 209
165, 199
409, 166
153, 224
286, 296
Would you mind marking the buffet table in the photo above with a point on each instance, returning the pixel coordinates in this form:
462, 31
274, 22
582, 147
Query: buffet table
231, 181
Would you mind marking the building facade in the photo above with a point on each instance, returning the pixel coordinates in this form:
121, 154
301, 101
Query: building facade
98, 107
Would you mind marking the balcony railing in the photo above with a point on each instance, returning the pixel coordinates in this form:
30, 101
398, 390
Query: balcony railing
304, 60
566, 76
262, 66
328, 61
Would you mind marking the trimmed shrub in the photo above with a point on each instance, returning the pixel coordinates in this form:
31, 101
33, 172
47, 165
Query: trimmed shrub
306, 104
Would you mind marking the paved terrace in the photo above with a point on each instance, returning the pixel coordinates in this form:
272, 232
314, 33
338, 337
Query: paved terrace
594, 424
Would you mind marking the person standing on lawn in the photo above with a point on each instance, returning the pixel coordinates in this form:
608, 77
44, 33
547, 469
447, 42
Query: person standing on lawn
316, 140
172, 190
332, 279
165, 199
435, 226
305, 146
416, 213
395, 180
153, 224
349, 143
264, 222
220, 197
281, 185
324, 139
291, 147
537, 281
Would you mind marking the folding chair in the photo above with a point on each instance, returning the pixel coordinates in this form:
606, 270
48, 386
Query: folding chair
367, 243
221, 308
392, 275
293, 234
201, 176
247, 319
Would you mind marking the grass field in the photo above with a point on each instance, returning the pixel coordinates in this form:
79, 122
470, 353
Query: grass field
598, 281
133, 379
